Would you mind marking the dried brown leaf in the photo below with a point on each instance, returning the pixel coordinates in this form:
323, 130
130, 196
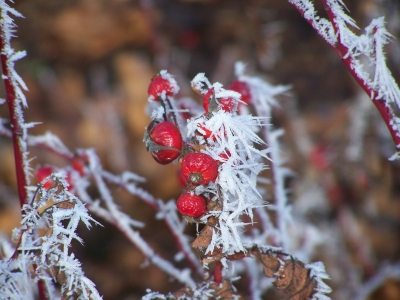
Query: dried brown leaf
204, 238
269, 261
293, 278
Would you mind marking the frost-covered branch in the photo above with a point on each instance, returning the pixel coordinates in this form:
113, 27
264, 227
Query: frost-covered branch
44, 239
15, 98
263, 98
387, 271
374, 77
124, 224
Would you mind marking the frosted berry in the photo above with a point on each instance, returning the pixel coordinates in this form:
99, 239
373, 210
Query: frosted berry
41, 175
243, 89
199, 168
164, 142
206, 133
191, 205
224, 156
227, 104
162, 83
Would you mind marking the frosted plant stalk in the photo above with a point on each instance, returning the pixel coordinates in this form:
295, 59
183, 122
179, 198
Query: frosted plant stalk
375, 78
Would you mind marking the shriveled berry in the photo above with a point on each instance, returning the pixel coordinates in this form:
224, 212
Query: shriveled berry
162, 83
42, 173
242, 88
191, 205
164, 142
199, 168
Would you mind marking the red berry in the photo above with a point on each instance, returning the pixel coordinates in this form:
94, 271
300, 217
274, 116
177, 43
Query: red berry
79, 165
42, 173
227, 104
191, 205
162, 83
165, 142
199, 168
242, 88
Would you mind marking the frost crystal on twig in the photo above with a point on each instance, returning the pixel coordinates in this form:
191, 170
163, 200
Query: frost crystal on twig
48, 228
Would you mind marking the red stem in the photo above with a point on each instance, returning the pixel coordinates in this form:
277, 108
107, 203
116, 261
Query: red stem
42, 288
342, 50
383, 109
16, 127
18, 137
218, 273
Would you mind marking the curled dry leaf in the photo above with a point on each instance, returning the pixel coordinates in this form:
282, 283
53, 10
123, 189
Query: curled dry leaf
292, 277
204, 238
269, 261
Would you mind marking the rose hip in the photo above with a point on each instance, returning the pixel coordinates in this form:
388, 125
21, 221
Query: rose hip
191, 205
199, 168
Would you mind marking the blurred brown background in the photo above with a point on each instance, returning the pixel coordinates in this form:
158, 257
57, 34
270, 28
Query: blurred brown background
88, 68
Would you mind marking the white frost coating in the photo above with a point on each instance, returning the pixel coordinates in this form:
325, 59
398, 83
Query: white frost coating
284, 215
323, 26
8, 28
318, 273
174, 86
232, 136
58, 224
263, 98
168, 212
263, 94
51, 141
201, 83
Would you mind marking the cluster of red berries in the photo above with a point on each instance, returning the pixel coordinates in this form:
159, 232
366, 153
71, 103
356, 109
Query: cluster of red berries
164, 141
78, 165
